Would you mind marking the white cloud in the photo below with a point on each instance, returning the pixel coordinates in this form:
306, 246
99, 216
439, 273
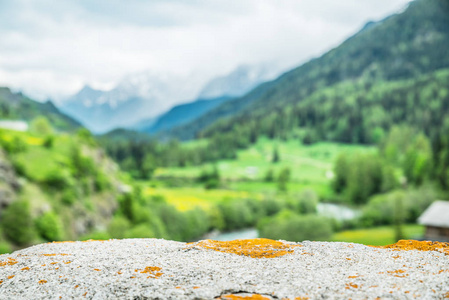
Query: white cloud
51, 48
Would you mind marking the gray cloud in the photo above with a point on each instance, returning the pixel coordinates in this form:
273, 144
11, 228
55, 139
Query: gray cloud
51, 48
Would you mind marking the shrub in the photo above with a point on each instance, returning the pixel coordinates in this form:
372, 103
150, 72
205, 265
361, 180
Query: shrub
307, 202
56, 179
17, 223
49, 226
69, 196
5, 248
288, 225
140, 231
381, 209
49, 141
118, 227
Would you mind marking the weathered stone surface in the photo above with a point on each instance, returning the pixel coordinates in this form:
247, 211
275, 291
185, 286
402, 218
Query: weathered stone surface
244, 269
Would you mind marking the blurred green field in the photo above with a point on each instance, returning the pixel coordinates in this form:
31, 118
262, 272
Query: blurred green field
309, 164
378, 236
186, 198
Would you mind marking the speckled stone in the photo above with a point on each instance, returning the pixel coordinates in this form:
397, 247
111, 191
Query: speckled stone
160, 269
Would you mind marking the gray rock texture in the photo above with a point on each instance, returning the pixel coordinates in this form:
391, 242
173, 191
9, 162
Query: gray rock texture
244, 269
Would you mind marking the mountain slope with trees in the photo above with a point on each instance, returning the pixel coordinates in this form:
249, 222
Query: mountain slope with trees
15, 106
403, 46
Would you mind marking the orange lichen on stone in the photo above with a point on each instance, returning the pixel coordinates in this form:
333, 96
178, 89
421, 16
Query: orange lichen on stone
119, 272
419, 245
256, 248
352, 277
196, 287
237, 297
1, 281
397, 272
25, 269
351, 285
53, 263
84, 295
77, 286
97, 270
10, 262
446, 296
54, 254
62, 242
153, 271
42, 281
11, 276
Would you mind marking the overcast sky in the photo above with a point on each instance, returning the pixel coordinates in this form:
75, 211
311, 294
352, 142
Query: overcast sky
51, 48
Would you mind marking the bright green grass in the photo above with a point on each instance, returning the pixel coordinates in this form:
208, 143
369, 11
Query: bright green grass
378, 236
308, 164
39, 161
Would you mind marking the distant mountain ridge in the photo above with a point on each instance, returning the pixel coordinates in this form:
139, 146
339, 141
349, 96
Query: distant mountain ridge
137, 97
141, 99
183, 113
16, 106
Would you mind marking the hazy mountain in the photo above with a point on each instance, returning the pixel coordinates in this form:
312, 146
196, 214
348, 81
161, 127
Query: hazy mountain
137, 97
215, 92
238, 82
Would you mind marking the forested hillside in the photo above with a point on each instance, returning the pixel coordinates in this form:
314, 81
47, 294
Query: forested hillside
18, 107
403, 46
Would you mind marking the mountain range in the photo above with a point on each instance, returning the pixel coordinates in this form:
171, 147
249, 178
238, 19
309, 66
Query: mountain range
141, 99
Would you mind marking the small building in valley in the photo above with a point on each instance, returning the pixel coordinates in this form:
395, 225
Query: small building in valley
436, 220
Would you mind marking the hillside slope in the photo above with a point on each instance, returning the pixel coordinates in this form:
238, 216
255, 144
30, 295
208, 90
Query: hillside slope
400, 47
15, 106
184, 113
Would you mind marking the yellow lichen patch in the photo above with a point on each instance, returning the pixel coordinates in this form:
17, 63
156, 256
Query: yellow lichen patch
1, 281
153, 271
98, 270
25, 269
10, 262
11, 276
54, 254
119, 272
42, 281
196, 287
76, 286
419, 245
355, 276
446, 296
237, 297
256, 248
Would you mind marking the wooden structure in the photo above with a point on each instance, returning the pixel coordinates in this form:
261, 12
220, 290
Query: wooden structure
436, 220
